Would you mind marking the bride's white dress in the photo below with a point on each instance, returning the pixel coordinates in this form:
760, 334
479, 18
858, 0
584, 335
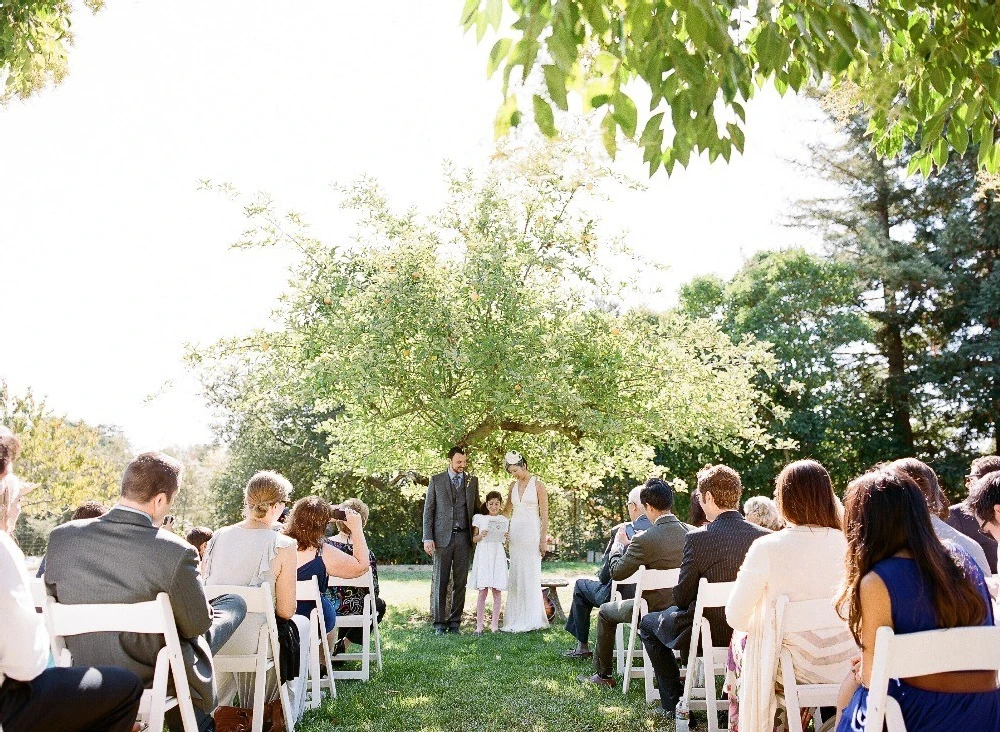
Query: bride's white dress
524, 610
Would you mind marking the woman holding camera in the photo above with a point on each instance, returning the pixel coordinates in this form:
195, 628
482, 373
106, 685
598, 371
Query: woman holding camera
351, 600
315, 558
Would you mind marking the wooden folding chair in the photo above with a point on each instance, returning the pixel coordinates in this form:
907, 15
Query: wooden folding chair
917, 654
267, 656
154, 617
647, 581
308, 590
367, 621
815, 616
712, 660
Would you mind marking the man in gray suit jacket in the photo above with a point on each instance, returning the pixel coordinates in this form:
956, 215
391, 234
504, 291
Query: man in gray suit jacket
451, 502
125, 557
661, 547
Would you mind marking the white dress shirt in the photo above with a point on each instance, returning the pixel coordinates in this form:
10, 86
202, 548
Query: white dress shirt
24, 642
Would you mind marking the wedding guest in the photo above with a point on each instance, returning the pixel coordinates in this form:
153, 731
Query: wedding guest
716, 553
762, 511
983, 504
32, 696
126, 557
590, 594
198, 537
804, 561
86, 510
927, 481
696, 512
961, 521
250, 553
306, 524
350, 600
660, 547
899, 575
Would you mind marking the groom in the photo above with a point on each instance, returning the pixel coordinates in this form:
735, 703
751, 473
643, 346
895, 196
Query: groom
452, 500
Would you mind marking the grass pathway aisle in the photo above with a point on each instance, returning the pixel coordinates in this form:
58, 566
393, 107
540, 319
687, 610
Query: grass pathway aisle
461, 683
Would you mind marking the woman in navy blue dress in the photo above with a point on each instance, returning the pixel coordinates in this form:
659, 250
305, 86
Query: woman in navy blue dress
901, 576
315, 558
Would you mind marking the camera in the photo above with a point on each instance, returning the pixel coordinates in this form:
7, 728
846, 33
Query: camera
339, 514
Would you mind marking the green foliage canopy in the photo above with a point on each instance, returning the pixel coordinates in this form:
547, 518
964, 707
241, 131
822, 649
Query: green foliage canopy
34, 36
925, 68
490, 324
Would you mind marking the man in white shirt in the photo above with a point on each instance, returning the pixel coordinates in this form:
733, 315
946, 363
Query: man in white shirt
34, 698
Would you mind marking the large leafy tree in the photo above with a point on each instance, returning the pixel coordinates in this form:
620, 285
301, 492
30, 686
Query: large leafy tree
492, 323
34, 40
925, 68
825, 392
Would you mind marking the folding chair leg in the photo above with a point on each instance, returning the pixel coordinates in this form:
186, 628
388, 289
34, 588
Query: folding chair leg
314, 632
260, 689
620, 647
711, 702
628, 659
329, 664
159, 693
378, 639
366, 650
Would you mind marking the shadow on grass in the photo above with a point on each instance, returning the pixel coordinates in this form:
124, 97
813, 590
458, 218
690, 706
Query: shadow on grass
495, 682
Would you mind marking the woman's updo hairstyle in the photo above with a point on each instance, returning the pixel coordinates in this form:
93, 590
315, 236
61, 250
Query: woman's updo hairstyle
489, 497
355, 504
265, 489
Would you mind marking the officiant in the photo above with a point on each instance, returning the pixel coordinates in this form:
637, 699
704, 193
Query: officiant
452, 500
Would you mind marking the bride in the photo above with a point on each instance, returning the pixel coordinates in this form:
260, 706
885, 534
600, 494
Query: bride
528, 510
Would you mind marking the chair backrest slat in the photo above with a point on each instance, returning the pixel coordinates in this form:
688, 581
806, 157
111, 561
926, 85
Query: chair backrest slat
258, 599
141, 617
714, 594
806, 615
364, 580
660, 579
940, 651
307, 590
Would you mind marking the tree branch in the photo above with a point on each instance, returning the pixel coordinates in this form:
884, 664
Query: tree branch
575, 434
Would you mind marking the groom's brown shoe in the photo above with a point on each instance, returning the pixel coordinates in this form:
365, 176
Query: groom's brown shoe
598, 680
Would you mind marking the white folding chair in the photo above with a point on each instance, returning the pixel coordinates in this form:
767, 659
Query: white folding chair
155, 617
267, 655
367, 621
917, 654
38, 593
308, 590
712, 661
813, 616
648, 580
616, 596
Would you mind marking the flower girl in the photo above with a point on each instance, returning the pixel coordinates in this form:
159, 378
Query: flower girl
489, 568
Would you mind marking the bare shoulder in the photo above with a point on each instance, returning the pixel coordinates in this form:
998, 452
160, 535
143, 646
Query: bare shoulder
873, 587
540, 485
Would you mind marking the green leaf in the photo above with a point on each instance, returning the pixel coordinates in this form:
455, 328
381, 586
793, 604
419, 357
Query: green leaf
555, 82
469, 13
989, 154
652, 132
958, 136
543, 116
497, 54
507, 116
625, 114
772, 49
609, 134
940, 80
696, 26
494, 11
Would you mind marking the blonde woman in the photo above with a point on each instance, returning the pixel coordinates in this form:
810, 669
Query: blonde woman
251, 553
763, 511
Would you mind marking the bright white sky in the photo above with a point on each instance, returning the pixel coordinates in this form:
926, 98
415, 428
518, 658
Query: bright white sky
113, 260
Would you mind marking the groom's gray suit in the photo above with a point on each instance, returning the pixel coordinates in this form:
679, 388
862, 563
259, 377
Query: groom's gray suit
448, 511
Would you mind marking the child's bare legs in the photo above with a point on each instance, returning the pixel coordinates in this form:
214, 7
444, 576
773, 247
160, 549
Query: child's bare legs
481, 609
495, 626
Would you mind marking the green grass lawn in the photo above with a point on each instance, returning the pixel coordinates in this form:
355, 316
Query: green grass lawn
497, 682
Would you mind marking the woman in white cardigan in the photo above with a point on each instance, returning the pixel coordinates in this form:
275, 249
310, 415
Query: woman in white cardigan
804, 561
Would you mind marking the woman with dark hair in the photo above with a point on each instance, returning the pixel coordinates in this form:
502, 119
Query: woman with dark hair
528, 510
307, 524
899, 575
696, 512
804, 561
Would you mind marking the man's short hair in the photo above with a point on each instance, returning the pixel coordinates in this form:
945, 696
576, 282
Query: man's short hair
150, 474
10, 448
88, 510
635, 496
983, 496
723, 483
984, 466
456, 450
657, 493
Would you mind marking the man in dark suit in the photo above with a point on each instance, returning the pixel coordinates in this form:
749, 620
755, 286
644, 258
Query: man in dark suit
660, 547
589, 594
959, 520
125, 557
452, 500
716, 553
